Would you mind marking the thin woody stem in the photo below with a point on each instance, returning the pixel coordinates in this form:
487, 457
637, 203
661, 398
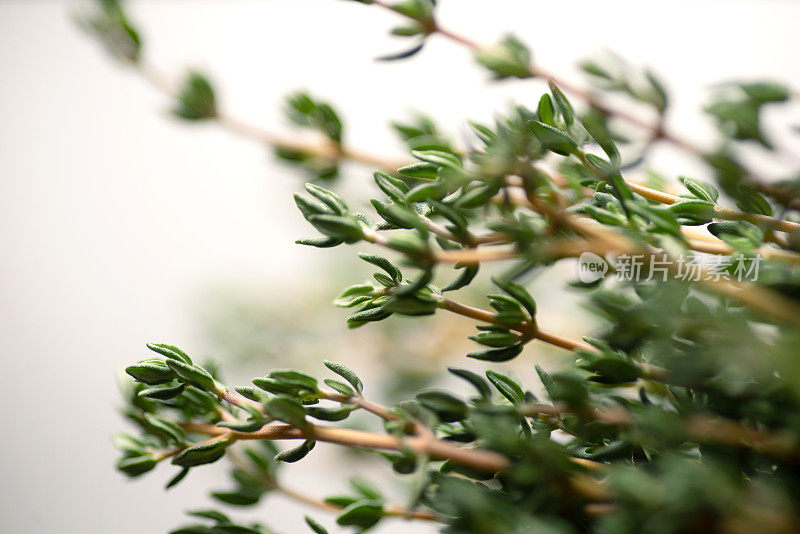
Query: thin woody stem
271, 484
482, 460
755, 297
719, 211
323, 148
656, 131
425, 442
528, 329
328, 150
372, 407
611, 242
694, 240
390, 510
699, 427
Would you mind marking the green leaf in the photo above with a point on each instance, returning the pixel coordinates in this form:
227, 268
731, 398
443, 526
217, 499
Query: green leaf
699, 211
340, 387
420, 10
303, 110
497, 355
195, 100
329, 198
447, 406
170, 351
137, 465
367, 316
766, 91
477, 196
362, 514
353, 294
323, 242
595, 124
563, 105
165, 393
547, 382
295, 454
152, 372
175, 480
337, 413
194, 375
316, 527
467, 275
201, 454
439, 158
409, 243
605, 216
384, 264
751, 201
345, 373
341, 227
276, 386
700, 189
250, 425
342, 501
507, 387
295, 378
309, 207
474, 379
214, 515
553, 139
237, 498
593, 68
545, 110
518, 293
426, 191
366, 489
662, 219
111, 25
409, 30
508, 58
411, 305
496, 339
393, 188
167, 429
402, 216
286, 409
564, 387
612, 370
423, 171
414, 50
658, 95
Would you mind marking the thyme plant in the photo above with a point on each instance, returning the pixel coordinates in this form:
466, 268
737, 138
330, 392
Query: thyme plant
680, 414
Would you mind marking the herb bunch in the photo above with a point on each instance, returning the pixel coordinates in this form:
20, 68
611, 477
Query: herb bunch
681, 414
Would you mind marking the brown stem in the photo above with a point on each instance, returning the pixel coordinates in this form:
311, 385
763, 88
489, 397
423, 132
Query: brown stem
392, 510
483, 460
528, 329
324, 149
237, 399
372, 407
698, 427
720, 212
655, 131
474, 256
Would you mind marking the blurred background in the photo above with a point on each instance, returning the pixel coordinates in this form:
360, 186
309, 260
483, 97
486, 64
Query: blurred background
120, 225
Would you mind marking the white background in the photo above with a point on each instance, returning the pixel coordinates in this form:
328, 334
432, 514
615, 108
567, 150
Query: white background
113, 216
